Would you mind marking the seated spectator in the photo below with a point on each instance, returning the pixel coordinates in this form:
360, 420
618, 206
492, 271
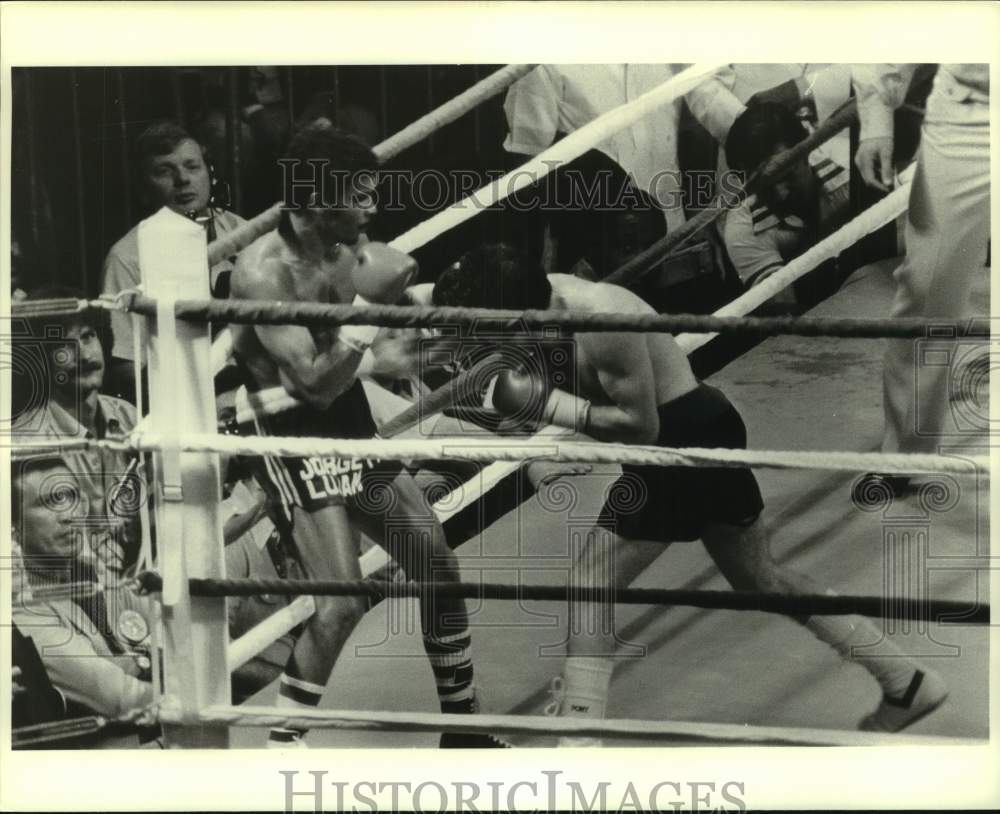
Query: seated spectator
812, 91
69, 405
780, 222
74, 611
173, 172
92, 634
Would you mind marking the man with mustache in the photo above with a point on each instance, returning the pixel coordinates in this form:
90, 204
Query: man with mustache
69, 349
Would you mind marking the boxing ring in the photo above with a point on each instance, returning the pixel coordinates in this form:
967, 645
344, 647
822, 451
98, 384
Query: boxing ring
182, 436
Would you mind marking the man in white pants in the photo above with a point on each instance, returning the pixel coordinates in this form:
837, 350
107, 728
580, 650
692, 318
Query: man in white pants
947, 231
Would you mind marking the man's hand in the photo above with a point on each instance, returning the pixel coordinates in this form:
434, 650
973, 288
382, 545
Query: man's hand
396, 354
874, 161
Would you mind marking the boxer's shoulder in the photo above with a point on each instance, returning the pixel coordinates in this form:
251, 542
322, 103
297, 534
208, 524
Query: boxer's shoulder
262, 271
575, 294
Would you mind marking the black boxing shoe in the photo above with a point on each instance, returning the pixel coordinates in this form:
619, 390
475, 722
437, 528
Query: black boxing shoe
471, 740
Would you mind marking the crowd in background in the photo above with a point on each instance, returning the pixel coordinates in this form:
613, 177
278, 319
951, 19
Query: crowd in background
217, 161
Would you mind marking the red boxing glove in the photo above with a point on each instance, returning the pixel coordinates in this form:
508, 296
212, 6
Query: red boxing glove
381, 276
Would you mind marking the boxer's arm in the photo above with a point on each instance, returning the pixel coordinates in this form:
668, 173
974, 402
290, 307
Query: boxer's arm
311, 374
625, 372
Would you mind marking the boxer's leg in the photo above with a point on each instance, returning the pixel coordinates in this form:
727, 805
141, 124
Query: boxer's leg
910, 691
327, 549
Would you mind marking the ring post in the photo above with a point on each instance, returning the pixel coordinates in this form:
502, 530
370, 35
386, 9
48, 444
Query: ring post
173, 263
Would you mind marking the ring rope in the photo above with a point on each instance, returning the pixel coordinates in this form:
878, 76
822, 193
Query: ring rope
37, 734
766, 174
730, 319
275, 400
281, 622
450, 393
243, 236
545, 725
972, 612
450, 111
479, 450
563, 151
311, 314
415, 132
267, 632
875, 217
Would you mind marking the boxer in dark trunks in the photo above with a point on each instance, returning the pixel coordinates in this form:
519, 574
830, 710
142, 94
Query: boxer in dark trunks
639, 388
320, 253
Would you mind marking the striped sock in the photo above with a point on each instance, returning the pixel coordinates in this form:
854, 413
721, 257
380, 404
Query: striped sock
293, 694
452, 665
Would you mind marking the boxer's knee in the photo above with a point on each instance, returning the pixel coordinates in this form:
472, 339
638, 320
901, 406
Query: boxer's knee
336, 616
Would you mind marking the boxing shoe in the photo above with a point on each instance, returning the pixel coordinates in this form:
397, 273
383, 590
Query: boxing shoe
926, 692
471, 740
286, 739
554, 709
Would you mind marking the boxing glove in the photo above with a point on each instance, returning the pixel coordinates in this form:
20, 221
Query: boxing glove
518, 393
380, 277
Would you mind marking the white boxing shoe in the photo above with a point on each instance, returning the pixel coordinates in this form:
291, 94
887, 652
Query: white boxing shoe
557, 691
927, 692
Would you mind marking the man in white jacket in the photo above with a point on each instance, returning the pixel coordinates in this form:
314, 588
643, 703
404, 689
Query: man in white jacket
947, 232
556, 100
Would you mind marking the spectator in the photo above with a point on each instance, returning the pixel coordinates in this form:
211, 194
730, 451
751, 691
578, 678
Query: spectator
781, 221
947, 237
173, 172
70, 406
92, 635
555, 100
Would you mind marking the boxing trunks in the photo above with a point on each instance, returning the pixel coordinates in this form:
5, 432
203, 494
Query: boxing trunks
317, 481
675, 503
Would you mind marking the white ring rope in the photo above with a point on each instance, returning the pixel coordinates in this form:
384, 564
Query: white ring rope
875, 217
275, 626
413, 133
570, 147
632, 729
451, 110
470, 448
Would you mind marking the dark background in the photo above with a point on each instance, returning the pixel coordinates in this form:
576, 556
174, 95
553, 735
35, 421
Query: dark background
74, 182
73, 185
73, 177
